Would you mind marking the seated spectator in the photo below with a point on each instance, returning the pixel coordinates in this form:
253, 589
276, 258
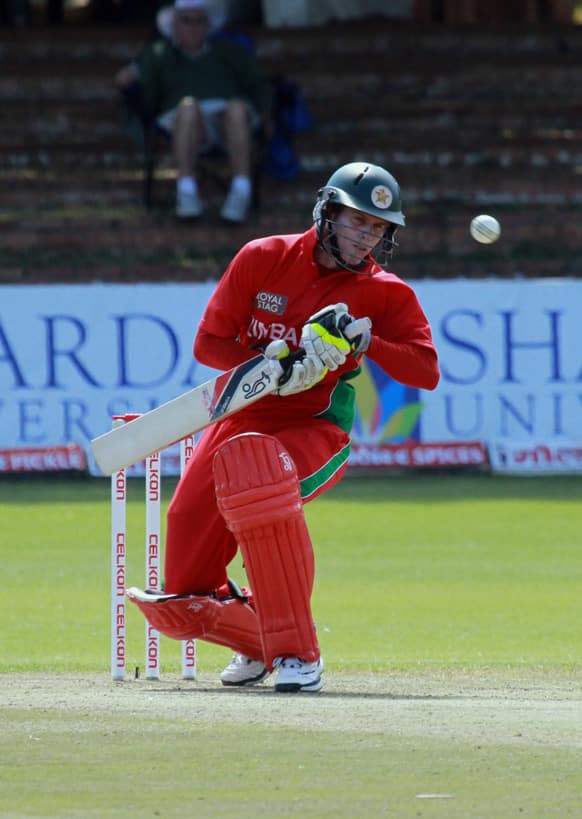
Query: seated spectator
204, 91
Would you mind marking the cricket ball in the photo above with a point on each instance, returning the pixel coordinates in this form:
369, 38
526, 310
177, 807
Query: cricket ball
485, 229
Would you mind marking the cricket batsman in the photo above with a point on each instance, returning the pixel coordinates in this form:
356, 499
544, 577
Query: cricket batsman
327, 292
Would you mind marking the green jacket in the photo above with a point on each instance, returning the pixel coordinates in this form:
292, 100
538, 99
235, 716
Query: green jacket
225, 70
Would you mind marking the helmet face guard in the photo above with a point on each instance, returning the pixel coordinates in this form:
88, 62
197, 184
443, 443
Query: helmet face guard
366, 188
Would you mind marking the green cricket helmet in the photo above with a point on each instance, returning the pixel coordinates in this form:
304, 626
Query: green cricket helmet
364, 187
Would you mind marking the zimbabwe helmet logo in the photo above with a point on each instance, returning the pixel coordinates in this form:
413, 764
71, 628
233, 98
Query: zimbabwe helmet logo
381, 197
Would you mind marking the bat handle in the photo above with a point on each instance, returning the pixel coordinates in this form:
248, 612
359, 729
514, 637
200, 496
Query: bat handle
287, 365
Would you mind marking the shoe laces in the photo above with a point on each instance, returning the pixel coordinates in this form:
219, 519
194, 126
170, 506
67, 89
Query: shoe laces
291, 662
241, 659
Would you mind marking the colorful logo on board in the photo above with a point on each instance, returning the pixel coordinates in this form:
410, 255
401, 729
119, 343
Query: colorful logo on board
386, 411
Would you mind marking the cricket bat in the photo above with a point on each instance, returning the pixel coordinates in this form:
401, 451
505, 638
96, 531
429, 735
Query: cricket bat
189, 413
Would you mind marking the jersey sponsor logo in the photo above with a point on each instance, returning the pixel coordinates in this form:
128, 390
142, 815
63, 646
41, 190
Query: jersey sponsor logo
271, 302
264, 333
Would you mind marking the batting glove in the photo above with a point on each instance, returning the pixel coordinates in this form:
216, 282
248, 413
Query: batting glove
322, 335
359, 333
304, 374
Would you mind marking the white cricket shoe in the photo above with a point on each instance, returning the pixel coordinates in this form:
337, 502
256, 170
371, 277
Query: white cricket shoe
244, 671
236, 206
188, 205
297, 675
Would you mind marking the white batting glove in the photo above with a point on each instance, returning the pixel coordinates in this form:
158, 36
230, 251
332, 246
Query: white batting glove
304, 374
359, 333
322, 335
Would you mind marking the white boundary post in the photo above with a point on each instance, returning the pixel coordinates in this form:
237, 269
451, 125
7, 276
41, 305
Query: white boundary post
118, 566
189, 659
153, 545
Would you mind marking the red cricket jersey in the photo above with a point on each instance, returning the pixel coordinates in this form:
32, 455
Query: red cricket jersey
273, 285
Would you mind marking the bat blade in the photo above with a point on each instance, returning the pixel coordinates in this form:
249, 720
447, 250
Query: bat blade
187, 414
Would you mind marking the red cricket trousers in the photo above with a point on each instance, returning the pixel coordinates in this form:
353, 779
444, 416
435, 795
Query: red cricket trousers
199, 546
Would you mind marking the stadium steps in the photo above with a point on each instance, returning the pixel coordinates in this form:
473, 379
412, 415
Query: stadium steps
424, 101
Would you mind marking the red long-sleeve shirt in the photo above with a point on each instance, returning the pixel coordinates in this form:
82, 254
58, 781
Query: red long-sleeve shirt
273, 285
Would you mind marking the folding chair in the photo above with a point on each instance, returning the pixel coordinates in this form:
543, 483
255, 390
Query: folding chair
153, 140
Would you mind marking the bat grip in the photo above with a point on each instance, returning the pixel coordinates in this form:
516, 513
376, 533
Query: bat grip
343, 323
287, 365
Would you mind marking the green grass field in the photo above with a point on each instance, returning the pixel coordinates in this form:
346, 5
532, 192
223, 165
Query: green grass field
447, 571
449, 611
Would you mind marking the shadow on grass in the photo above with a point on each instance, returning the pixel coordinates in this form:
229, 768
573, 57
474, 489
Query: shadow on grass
270, 693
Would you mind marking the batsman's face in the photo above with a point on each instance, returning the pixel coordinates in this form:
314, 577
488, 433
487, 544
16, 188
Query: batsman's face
357, 234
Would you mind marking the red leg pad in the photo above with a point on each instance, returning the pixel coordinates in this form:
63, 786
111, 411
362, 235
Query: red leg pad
259, 497
230, 622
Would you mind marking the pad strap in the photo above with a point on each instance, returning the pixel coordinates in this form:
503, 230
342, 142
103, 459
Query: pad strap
229, 622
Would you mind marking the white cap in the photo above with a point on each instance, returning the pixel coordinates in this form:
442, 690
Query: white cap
165, 16
190, 4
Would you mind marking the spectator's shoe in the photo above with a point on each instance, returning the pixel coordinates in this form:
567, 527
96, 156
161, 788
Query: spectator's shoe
297, 675
236, 206
188, 205
244, 671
